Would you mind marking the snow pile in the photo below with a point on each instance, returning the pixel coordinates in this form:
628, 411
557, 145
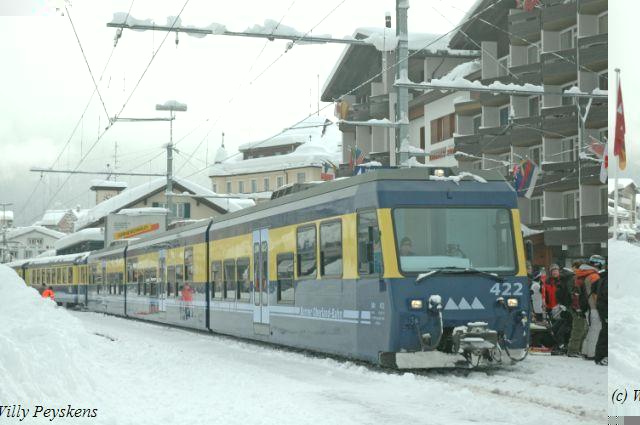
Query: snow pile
273, 27
464, 84
44, 351
173, 105
463, 70
120, 17
624, 322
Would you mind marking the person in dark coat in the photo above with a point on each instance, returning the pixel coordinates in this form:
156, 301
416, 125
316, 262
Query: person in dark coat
602, 300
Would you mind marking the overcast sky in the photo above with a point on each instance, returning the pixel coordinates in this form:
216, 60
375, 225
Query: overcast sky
46, 84
623, 54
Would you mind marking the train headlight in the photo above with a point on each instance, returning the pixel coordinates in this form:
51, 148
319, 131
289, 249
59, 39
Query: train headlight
415, 304
512, 302
439, 172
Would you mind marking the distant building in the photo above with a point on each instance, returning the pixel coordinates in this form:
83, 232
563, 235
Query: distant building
6, 219
106, 189
59, 220
627, 210
190, 201
28, 242
89, 239
303, 153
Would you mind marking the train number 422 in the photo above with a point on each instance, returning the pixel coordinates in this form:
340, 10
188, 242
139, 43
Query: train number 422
506, 289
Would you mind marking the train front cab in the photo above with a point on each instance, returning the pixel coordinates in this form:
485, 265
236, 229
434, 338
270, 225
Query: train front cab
456, 276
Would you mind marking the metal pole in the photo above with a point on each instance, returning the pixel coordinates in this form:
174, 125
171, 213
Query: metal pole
402, 73
4, 230
615, 170
581, 120
169, 191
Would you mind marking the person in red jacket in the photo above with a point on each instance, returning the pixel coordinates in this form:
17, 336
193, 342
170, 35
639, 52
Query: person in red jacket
48, 293
549, 287
187, 299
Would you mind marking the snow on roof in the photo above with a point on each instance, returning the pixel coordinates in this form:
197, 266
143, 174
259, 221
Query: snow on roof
464, 84
622, 183
310, 129
97, 184
84, 235
463, 70
131, 195
51, 218
622, 212
6, 215
51, 257
19, 231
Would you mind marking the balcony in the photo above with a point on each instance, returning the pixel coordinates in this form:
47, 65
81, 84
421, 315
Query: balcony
594, 51
592, 7
377, 107
530, 73
598, 116
468, 108
566, 231
468, 144
524, 27
559, 67
558, 16
561, 121
563, 176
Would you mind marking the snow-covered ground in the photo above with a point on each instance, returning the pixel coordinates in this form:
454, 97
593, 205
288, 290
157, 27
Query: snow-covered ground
135, 372
624, 325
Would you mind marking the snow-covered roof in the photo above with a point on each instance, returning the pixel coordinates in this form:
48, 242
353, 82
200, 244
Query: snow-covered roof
316, 150
50, 257
20, 231
310, 129
84, 235
107, 184
622, 212
132, 195
463, 70
143, 211
6, 215
622, 183
51, 218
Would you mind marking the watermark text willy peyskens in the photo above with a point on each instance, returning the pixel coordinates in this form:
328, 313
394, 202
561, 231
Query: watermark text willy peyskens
620, 396
38, 411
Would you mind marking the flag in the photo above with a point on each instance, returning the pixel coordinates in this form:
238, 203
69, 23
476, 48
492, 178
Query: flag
597, 147
527, 5
605, 165
618, 144
525, 176
356, 157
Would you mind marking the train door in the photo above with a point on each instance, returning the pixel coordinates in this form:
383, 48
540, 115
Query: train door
162, 282
260, 278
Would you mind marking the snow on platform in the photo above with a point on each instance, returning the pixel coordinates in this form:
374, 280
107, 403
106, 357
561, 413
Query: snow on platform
143, 373
624, 324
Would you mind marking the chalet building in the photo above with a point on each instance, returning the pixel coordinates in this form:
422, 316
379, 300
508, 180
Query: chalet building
28, 242
60, 220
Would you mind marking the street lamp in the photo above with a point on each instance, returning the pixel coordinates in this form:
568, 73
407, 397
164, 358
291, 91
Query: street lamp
172, 106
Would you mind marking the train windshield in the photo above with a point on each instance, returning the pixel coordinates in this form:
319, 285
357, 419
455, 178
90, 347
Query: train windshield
435, 238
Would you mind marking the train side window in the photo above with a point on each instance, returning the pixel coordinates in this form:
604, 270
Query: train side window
70, 274
369, 247
216, 279
244, 280
188, 265
306, 251
153, 282
284, 267
179, 279
331, 248
139, 278
171, 280
229, 279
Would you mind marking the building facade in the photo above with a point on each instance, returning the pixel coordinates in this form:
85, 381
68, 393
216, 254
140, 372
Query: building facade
23, 243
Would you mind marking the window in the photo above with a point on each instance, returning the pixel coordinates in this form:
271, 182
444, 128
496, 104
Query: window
535, 154
179, 280
571, 205
534, 106
568, 38
331, 248
477, 123
569, 149
230, 279
433, 238
34, 241
214, 187
244, 280
254, 185
603, 23
536, 210
533, 53
300, 177
422, 138
279, 181
286, 291
183, 210
240, 187
503, 66
306, 251
266, 184
216, 279
188, 264
504, 116
603, 81
229, 187
443, 128
369, 249
171, 280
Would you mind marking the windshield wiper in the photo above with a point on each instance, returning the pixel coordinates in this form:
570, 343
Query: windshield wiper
458, 270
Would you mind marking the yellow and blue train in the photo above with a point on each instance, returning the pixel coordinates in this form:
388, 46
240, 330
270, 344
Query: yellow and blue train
402, 268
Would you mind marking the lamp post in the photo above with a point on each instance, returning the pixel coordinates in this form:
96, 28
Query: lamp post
172, 106
4, 230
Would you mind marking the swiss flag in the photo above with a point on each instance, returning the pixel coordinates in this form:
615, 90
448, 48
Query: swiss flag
618, 144
527, 5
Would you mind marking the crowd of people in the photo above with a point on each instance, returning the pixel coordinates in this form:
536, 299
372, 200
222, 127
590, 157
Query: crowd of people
570, 305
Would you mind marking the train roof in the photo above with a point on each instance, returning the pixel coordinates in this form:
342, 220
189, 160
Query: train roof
59, 259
